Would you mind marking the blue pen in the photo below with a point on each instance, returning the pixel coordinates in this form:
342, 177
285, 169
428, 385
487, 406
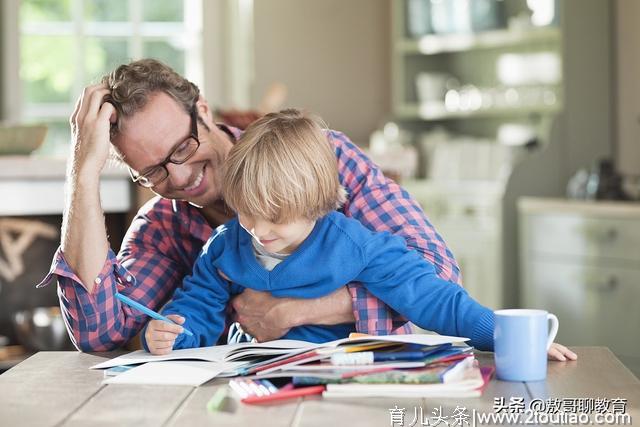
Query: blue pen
148, 311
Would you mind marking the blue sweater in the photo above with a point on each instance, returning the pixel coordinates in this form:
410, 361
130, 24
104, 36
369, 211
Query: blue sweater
338, 251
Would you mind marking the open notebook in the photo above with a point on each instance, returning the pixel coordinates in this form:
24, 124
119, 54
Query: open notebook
249, 351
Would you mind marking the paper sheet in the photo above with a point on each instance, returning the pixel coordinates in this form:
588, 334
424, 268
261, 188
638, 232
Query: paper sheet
208, 354
190, 373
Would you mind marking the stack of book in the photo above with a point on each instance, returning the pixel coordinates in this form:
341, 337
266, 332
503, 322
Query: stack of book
415, 365
389, 366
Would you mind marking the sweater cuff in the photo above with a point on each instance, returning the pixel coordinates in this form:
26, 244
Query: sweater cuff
482, 337
143, 339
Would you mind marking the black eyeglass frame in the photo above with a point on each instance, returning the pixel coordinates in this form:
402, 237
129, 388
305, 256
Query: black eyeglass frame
143, 179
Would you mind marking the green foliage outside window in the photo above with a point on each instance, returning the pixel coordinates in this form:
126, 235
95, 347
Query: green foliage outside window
49, 63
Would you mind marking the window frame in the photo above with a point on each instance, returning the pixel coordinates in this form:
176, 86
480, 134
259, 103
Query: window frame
13, 106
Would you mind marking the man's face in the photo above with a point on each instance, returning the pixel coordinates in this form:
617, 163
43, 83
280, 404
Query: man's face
151, 134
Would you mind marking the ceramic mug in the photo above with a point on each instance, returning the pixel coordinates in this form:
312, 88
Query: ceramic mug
521, 341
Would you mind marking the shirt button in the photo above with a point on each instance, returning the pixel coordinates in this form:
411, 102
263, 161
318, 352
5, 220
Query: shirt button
98, 280
129, 278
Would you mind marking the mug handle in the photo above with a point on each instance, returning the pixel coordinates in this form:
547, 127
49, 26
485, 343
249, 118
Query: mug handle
554, 329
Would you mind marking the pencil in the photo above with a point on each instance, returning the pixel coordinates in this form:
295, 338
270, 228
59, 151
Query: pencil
148, 311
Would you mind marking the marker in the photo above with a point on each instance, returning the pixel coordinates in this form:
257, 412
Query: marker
369, 357
287, 394
217, 400
269, 385
240, 389
148, 311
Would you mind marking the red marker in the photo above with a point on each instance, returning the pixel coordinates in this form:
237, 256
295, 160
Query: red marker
285, 394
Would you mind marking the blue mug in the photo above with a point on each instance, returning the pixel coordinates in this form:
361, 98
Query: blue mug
521, 340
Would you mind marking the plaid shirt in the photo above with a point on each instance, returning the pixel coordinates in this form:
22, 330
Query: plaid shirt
166, 236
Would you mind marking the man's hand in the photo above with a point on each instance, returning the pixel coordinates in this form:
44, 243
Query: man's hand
266, 317
262, 315
161, 335
90, 124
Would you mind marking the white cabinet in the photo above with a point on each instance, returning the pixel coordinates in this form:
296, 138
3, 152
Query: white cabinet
450, 70
570, 114
581, 261
468, 216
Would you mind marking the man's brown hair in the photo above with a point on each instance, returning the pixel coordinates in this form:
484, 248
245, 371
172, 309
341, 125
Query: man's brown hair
132, 84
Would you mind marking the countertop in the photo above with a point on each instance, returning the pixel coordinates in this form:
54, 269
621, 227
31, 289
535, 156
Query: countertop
33, 185
37, 167
589, 207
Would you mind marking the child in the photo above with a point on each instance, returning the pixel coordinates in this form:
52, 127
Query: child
281, 179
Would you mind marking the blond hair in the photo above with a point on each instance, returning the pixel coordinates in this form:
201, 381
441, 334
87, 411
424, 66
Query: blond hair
132, 84
282, 169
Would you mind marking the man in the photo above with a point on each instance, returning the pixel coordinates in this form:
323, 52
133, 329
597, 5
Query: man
162, 128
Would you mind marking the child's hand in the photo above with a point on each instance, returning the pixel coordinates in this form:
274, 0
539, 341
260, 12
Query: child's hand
161, 335
561, 353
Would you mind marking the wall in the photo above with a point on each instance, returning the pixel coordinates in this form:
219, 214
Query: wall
10, 100
1, 65
333, 55
627, 40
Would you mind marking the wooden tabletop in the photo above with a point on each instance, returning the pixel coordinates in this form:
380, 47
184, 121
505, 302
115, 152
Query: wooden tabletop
58, 389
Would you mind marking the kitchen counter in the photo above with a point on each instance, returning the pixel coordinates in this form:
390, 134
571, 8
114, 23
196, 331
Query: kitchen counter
590, 207
31, 185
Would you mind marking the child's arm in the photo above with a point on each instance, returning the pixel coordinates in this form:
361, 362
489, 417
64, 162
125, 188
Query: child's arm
201, 302
560, 353
380, 204
407, 283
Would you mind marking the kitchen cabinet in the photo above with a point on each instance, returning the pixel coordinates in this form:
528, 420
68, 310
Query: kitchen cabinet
459, 73
468, 217
492, 77
581, 261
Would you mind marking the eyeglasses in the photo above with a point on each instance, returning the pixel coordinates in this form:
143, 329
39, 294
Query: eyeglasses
180, 154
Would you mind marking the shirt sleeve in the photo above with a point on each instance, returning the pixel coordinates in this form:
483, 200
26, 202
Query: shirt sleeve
405, 281
147, 270
202, 300
382, 205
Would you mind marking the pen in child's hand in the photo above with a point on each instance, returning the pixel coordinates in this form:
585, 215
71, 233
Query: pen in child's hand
148, 311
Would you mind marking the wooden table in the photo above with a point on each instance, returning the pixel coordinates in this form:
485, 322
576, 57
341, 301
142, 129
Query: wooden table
57, 389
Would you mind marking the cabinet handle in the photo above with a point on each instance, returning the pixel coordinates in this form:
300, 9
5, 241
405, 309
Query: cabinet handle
469, 211
610, 235
609, 286
601, 236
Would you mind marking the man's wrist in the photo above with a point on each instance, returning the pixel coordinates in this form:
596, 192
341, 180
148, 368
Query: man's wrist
291, 312
331, 309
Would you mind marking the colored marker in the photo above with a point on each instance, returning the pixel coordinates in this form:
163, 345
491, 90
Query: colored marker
287, 394
217, 400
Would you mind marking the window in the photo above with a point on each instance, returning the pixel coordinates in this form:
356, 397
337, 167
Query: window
67, 44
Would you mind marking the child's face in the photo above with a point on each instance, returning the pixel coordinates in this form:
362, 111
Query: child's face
280, 238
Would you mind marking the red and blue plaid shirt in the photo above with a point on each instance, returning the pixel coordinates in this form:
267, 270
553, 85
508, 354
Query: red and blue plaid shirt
166, 236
